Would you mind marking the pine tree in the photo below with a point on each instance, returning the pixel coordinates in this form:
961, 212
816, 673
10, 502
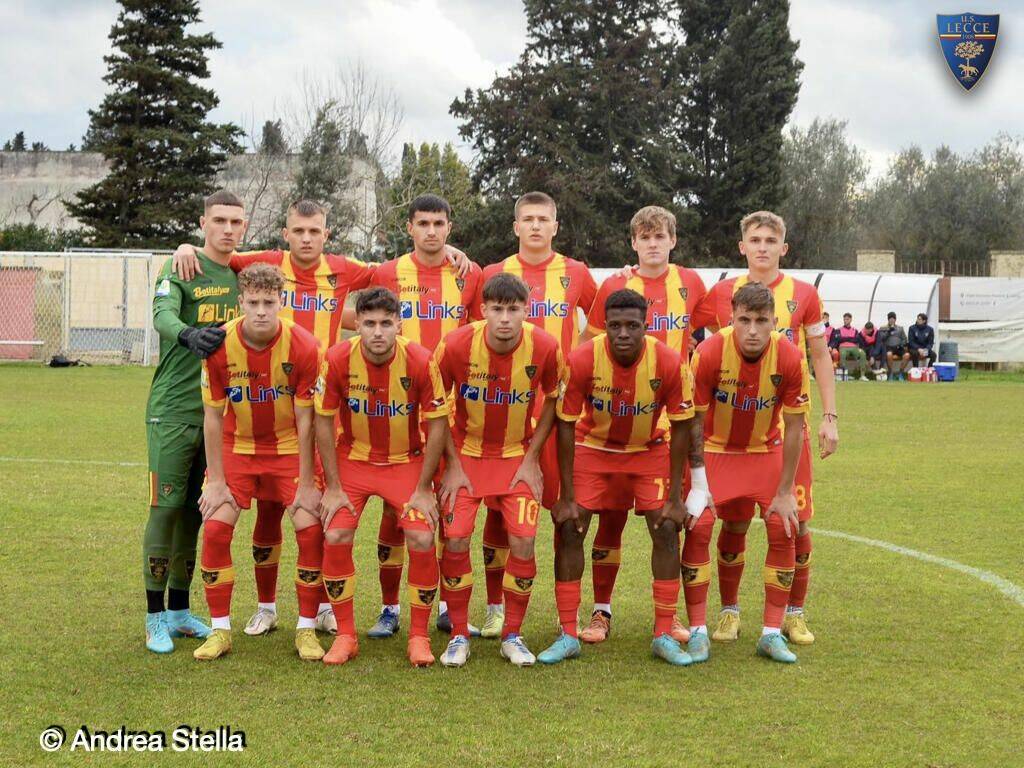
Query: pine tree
18, 144
152, 129
272, 140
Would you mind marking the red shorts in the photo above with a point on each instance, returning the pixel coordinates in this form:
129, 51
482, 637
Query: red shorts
490, 479
742, 477
618, 482
802, 486
271, 478
393, 483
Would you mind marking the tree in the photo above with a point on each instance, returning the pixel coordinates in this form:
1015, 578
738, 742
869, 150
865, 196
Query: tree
152, 129
18, 144
272, 140
38, 146
823, 176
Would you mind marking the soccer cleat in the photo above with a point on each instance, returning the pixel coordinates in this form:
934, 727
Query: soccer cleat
794, 627
419, 651
307, 645
444, 624
184, 624
599, 628
344, 648
728, 629
565, 647
387, 625
326, 623
217, 644
262, 622
773, 647
699, 647
514, 649
665, 647
158, 639
494, 622
457, 652
680, 632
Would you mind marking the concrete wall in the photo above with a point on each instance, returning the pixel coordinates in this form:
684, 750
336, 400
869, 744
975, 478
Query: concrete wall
876, 261
1007, 263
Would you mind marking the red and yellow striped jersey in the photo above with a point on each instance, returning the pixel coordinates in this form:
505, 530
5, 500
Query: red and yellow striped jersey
558, 286
380, 406
798, 307
434, 300
743, 400
313, 297
260, 389
494, 393
621, 407
671, 298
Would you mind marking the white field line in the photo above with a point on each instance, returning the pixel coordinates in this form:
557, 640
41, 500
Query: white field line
24, 460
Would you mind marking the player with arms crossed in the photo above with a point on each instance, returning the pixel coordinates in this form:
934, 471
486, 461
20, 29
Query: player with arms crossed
611, 445
495, 368
749, 380
258, 396
799, 315
382, 385
671, 292
186, 314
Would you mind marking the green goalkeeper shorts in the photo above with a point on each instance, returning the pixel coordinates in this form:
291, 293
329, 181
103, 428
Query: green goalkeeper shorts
177, 464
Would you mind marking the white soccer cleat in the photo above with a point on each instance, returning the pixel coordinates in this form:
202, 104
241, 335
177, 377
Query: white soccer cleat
325, 622
457, 652
514, 649
262, 622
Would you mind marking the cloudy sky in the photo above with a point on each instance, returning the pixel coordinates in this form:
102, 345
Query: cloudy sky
873, 63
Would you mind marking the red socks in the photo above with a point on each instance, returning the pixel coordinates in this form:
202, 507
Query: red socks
519, 576
567, 600
340, 580
695, 566
266, 548
423, 575
391, 556
309, 583
666, 599
495, 555
457, 589
778, 571
217, 571
731, 557
606, 554
802, 576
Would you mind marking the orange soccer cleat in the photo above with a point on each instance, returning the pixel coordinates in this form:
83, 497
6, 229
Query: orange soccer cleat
599, 628
680, 633
419, 651
344, 648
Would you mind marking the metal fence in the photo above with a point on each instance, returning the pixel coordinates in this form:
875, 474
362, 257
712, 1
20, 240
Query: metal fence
944, 267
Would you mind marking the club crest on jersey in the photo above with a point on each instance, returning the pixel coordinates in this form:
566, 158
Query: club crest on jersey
967, 41
683, 293
460, 283
776, 379
405, 381
531, 370
655, 384
287, 368
565, 280
791, 306
332, 280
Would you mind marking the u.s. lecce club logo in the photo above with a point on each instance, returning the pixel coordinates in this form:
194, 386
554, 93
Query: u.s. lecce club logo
968, 40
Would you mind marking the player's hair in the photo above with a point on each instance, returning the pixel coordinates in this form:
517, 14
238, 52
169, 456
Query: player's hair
430, 204
869, 325
624, 298
222, 197
847, 314
536, 198
754, 297
763, 219
307, 208
259, 277
651, 218
377, 298
506, 288
922, 316
892, 315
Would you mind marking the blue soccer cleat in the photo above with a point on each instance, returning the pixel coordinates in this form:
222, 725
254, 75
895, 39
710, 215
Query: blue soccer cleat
774, 647
184, 624
387, 625
666, 647
565, 647
699, 647
158, 639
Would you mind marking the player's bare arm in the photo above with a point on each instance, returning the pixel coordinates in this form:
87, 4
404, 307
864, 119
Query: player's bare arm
423, 499
698, 500
334, 496
679, 449
828, 430
307, 497
784, 503
565, 508
216, 493
454, 477
529, 471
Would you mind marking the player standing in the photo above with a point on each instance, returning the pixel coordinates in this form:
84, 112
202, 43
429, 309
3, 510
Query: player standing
798, 312
496, 369
621, 383
185, 314
744, 377
258, 425
382, 385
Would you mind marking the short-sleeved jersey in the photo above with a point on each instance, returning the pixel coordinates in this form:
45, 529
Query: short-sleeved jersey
260, 389
798, 307
744, 400
617, 408
434, 301
313, 297
494, 394
380, 406
558, 286
671, 298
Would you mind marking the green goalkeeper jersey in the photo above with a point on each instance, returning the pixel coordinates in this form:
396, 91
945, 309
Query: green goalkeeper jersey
208, 299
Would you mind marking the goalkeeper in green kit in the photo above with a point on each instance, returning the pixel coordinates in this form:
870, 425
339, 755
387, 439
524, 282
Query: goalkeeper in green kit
188, 316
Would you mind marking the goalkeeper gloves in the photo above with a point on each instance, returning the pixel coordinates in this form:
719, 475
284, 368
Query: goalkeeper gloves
201, 342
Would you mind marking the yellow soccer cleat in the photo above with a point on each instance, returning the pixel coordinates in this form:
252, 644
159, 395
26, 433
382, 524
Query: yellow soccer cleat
217, 644
494, 622
794, 627
307, 645
728, 629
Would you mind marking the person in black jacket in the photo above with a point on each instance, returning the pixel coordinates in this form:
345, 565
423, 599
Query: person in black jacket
921, 340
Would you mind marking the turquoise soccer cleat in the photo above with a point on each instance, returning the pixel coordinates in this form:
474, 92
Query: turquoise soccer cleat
699, 647
774, 647
158, 640
184, 624
565, 647
666, 647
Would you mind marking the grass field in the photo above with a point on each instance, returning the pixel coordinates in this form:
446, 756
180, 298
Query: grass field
916, 664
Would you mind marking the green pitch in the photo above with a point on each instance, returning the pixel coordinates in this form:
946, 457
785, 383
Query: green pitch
916, 664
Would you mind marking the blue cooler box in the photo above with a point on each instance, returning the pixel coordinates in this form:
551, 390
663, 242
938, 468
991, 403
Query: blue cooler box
946, 371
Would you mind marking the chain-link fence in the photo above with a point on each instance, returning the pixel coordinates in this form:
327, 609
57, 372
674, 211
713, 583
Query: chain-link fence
89, 305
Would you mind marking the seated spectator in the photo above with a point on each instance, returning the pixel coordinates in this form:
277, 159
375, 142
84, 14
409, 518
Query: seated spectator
828, 327
873, 347
848, 348
894, 342
921, 340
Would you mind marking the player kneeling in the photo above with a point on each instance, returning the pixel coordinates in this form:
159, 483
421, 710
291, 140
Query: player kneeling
744, 376
380, 385
616, 457
258, 426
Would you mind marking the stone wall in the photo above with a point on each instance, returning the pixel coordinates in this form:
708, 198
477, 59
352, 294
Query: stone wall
1007, 263
876, 261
